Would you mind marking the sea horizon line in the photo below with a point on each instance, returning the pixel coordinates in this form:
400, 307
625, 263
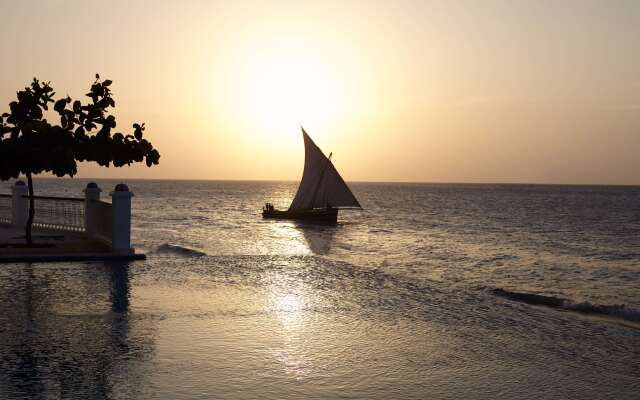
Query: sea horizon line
487, 183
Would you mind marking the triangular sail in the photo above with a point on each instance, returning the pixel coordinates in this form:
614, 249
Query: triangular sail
321, 185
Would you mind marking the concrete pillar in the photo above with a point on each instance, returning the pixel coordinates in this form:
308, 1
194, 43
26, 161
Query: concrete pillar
19, 204
91, 195
121, 208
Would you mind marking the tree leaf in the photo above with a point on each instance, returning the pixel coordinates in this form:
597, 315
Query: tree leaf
60, 105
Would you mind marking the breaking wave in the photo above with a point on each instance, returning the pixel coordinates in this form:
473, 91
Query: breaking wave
180, 250
615, 310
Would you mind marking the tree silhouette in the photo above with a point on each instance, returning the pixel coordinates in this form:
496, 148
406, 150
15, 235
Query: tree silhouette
30, 145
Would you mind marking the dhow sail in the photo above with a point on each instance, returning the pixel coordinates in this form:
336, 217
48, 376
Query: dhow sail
321, 185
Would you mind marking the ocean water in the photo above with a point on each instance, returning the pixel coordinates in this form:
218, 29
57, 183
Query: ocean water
440, 291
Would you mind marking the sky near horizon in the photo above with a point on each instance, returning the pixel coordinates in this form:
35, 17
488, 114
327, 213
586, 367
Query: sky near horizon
433, 91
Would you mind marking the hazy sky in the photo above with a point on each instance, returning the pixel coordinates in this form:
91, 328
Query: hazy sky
464, 91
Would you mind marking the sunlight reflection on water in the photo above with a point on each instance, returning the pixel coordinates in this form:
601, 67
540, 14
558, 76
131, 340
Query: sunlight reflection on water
288, 304
286, 238
289, 311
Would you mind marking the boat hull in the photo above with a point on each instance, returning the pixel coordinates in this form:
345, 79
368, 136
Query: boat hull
316, 215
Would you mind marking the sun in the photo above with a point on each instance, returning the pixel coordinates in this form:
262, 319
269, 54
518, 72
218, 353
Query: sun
285, 85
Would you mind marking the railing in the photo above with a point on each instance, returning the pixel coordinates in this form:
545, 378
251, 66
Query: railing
61, 213
106, 222
6, 207
103, 222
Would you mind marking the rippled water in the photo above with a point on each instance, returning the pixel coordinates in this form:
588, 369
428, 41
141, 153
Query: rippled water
397, 301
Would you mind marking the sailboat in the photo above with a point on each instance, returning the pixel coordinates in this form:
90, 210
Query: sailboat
322, 191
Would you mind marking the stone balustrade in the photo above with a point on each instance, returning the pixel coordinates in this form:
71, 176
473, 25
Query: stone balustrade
109, 223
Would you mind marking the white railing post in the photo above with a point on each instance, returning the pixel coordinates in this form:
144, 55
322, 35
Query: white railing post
121, 208
91, 195
19, 204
